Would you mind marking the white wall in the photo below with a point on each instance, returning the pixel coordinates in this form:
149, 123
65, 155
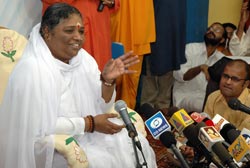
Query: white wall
20, 15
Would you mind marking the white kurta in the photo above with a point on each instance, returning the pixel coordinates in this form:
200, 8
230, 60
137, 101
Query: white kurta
42, 94
240, 47
190, 94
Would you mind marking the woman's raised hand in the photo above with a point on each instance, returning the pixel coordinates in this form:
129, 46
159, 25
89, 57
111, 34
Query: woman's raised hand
119, 66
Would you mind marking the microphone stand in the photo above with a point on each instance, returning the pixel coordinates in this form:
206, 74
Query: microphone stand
138, 165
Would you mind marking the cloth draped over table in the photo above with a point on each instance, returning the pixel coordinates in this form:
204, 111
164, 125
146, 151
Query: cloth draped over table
133, 26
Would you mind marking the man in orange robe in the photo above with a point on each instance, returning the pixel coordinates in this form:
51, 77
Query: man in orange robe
96, 26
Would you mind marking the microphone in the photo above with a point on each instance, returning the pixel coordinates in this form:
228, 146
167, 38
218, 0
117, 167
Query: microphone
240, 149
147, 110
183, 122
100, 6
212, 140
229, 133
238, 141
246, 134
219, 122
235, 104
199, 117
180, 120
121, 108
168, 139
160, 129
202, 117
208, 135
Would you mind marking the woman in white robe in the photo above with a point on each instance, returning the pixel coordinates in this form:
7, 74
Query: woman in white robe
56, 89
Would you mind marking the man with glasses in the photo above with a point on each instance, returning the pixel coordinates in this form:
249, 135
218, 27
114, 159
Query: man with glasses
233, 84
191, 80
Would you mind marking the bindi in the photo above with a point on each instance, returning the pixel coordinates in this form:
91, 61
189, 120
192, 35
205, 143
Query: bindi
78, 25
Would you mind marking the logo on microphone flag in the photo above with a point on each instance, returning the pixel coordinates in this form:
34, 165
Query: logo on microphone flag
246, 134
209, 136
239, 148
180, 120
157, 124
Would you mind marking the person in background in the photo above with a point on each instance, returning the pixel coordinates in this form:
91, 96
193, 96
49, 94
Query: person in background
167, 54
135, 34
224, 47
97, 26
233, 84
57, 88
239, 44
190, 84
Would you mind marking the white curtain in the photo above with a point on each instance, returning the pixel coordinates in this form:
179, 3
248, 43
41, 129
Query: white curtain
20, 15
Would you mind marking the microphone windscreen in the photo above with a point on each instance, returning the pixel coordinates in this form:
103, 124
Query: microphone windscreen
191, 133
232, 135
199, 125
234, 103
147, 110
229, 129
120, 104
167, 138
171, 111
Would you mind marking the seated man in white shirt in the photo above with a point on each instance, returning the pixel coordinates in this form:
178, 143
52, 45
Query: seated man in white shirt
239, 44
191, 80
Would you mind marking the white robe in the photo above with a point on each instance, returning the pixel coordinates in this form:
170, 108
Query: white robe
190, 95
240, 47
42, 89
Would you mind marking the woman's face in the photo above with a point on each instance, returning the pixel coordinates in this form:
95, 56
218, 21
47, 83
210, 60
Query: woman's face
66, 39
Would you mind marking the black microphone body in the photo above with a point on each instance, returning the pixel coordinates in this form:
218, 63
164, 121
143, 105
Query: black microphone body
100, 6
121, 108
168, 139
229, 133
191, 133
235, 104
223, 154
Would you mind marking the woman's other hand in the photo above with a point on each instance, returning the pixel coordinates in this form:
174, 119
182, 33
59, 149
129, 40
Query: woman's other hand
103, 125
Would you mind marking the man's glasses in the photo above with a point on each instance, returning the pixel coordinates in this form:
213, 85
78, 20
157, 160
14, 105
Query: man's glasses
215, 30
233, 78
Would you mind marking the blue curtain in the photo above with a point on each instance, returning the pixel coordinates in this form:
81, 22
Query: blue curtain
168, 51
197, 19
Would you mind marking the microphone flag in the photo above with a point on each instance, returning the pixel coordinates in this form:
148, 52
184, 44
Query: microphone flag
239, 148
157, 124
246, 134
180, 120
219, 122
209, 136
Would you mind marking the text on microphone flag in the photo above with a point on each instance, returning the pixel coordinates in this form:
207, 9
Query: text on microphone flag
157, 124
239, 148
